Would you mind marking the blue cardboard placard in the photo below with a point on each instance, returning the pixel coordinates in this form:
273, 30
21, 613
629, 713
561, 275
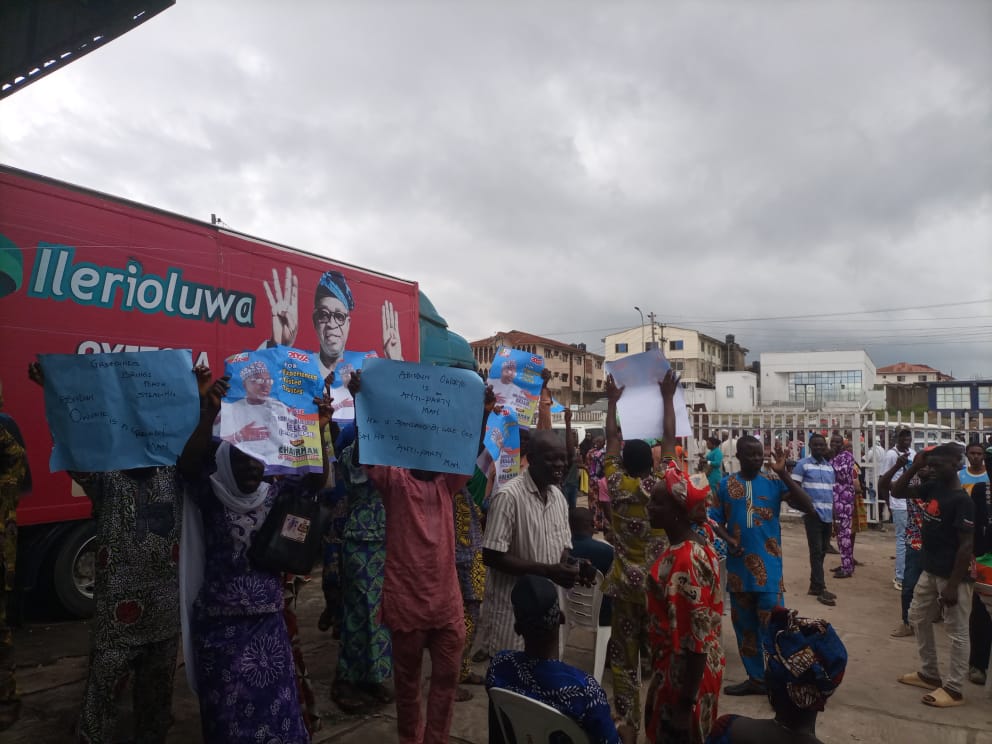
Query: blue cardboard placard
516, 380
419, 416
119, 411
269, 411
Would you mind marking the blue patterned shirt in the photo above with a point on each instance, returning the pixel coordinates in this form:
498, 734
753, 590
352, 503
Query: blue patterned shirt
751, 515
565, 688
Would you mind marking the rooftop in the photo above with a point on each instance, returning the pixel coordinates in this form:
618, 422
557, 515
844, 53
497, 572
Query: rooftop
901, 368
519, 338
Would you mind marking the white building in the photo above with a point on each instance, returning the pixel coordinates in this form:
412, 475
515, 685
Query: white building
694, 355
904, 373
814, 380
736, 392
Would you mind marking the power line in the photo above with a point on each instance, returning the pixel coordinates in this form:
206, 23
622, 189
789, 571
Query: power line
812, 316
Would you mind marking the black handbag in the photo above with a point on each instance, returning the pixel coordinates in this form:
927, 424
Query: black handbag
289, 540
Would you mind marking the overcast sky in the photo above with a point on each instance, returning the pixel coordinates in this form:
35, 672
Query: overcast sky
547, 166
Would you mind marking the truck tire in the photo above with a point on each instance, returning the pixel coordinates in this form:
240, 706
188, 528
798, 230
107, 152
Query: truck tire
73, 570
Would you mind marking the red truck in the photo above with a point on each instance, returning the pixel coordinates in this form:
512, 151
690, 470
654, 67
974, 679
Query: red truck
86, 273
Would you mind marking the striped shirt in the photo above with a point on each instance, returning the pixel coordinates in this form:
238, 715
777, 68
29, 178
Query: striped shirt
521, 524
817, 479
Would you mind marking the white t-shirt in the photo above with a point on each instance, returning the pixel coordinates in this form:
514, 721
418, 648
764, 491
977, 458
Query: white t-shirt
890, 459
729, 450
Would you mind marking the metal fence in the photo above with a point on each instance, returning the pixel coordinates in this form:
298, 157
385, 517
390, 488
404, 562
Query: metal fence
865, 429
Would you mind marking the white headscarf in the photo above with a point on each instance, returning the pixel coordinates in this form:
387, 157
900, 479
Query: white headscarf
225, 487
191, 553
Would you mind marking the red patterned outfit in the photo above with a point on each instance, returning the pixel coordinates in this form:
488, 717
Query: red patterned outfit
684, 616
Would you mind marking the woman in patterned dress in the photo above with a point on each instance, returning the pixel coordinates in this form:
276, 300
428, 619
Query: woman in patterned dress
844, 479
684, 609
597, 484
238, 647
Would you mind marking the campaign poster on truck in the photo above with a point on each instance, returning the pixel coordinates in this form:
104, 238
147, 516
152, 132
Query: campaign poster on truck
86, 273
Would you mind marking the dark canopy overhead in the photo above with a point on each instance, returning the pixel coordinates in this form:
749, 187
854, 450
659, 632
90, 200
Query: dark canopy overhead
40, 36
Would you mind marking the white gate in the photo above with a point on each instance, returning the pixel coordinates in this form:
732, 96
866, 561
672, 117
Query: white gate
864, 429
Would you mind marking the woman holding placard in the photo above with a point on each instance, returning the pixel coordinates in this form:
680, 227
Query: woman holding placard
238, 654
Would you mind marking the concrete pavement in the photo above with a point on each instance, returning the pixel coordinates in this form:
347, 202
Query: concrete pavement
870, 706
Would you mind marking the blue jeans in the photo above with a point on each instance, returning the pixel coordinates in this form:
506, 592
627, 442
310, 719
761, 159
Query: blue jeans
913, 569
899, 523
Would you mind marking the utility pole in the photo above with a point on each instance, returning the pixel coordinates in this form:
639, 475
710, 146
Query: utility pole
654, 344
641, 313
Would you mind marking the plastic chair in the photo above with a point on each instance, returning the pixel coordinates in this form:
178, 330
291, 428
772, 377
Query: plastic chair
532, 722
581, 606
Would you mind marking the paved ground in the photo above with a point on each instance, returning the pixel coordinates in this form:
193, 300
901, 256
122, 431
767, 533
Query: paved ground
869, 707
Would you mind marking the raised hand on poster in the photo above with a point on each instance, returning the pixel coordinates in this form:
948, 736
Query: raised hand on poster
285, 307
391, 345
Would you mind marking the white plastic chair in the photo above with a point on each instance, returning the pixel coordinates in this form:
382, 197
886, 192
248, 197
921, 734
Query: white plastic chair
581, 606
532, 722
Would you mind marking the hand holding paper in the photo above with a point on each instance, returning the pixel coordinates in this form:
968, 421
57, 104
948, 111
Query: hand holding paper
638, 379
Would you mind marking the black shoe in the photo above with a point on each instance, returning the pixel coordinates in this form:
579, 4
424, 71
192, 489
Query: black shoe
827, 595
747, 687
814, 592
828, 602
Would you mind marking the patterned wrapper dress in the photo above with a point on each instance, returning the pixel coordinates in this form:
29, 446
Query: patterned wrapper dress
843, 464
245, 671
685, 609
365, 654
13, 472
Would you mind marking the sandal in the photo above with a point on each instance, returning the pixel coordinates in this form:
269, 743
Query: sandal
474, 679
462, 695
915, 679
941, 698
347, 698
378, 692
10, 712
480, 656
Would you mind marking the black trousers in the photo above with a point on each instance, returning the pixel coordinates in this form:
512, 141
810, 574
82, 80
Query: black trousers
818, 538
980, 630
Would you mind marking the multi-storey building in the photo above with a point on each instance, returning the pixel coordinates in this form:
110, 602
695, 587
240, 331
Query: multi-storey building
576, 374
694, 355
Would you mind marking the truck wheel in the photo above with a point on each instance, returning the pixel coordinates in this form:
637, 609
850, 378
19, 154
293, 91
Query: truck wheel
74, 570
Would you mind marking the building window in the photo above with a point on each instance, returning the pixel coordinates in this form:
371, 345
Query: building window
599, 383
675, 345
958, 398
621, 348
678, 365
730, 391
648, 345
812, 388
985, 396
900, 378
921, 378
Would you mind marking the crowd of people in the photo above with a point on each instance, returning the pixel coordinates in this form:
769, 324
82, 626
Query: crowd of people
417, 561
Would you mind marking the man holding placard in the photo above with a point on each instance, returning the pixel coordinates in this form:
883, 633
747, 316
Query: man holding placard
421, 598
138, 516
